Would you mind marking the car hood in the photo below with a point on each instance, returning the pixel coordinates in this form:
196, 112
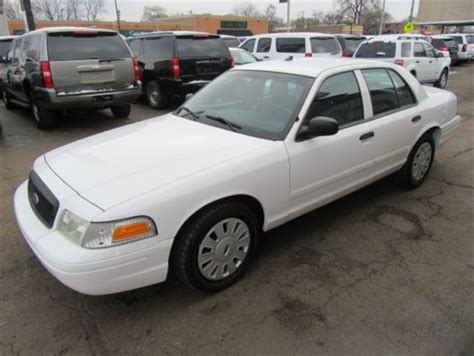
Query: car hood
112, 167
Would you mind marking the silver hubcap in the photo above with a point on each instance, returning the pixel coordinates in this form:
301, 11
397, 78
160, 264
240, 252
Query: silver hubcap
421, 161
4, 97
36, 112
443, 80
154, 94
224, 249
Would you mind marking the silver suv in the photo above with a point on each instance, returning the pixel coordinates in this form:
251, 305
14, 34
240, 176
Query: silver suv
61, 68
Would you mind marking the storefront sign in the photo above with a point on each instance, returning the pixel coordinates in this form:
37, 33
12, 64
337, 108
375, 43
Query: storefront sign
233, 24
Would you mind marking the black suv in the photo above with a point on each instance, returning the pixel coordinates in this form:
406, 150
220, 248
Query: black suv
177, 63
57, 68
446, 44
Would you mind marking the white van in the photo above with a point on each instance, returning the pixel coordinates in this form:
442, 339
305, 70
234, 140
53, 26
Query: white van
282, 45
465, 43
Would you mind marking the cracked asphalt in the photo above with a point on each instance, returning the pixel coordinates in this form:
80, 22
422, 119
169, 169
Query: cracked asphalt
382, 271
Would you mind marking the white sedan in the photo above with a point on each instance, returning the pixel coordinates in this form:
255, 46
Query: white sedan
192, 190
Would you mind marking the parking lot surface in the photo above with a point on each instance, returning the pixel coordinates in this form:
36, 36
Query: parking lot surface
381, 271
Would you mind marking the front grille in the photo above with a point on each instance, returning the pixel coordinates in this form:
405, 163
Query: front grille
42, 201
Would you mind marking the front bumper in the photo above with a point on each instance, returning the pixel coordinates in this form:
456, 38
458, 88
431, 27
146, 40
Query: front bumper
89, 271
52, 100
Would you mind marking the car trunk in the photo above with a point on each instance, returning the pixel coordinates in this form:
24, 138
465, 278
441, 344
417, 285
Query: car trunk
84, 62
202, 57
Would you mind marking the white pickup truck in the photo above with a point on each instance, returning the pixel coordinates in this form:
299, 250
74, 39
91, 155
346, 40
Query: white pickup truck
419, 57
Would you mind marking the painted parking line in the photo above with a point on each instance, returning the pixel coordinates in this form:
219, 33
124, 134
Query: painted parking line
453, 73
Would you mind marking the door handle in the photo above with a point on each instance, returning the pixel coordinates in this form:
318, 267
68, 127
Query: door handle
366, 136
266, 57
417, 62
431, 61
416, 118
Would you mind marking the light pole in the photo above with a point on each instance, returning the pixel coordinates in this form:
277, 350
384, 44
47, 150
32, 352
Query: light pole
411, 10
117, 12
288, 16
382, 18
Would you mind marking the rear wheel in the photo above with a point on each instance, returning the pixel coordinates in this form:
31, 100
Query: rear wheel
7, 100
442, 80
121, 111
157, 99
214, 248
45, 118
419, 162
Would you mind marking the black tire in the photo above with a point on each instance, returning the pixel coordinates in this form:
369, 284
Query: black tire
121, 111
6, 98
407, 175
442, 80
184, 256
45, 119
155, 96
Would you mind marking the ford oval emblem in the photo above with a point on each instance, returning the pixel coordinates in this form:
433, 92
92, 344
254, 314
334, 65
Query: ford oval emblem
35, 198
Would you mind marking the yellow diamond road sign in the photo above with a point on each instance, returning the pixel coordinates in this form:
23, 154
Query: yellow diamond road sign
409, 27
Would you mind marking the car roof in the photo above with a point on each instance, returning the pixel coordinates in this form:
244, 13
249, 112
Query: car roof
6, 38
392, 39
67, 29
228, 36
295, 34
174, 33
237, 49
312, 67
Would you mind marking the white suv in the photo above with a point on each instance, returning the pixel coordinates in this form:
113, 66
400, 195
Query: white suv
282, 45
465, 43
418, 56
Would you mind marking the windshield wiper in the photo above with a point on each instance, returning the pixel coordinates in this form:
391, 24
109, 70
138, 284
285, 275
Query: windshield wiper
195, 115
230, 124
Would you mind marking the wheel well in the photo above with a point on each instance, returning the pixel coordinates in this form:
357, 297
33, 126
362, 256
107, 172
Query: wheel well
435, 132
248, 200
413, 72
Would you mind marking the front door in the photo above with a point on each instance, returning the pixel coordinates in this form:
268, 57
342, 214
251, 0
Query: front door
325, 168
422, 65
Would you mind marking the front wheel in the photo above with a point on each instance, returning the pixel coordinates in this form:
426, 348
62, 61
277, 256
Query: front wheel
419, 162
214, 248
121, 111
442, 80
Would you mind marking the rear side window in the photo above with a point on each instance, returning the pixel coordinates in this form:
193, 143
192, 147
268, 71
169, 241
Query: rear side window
338, 98
419, 51
32, 47
248, 45
4, 46
405, 95
231, 42
382, 92
264, 45
290, 45
325, 45
68, 46
201, 47
450, 42
470, 39
458, 39
376, 50
135, 46
17, 53
406, 49
158, 47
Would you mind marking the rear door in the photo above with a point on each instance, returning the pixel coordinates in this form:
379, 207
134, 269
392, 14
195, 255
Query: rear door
89, 61
202, 57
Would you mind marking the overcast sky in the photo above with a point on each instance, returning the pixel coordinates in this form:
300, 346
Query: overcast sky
131, 10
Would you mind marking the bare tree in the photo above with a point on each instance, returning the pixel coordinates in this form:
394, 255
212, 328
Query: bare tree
246, 9
352, 10
13, 10
93, 8
52, 10
152, 13
73, 10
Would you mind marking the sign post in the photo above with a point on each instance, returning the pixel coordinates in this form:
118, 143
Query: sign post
287, 13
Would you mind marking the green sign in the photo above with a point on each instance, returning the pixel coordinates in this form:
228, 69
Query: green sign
233, 24
409, 27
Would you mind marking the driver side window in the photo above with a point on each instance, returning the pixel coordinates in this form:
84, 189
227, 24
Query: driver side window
338, 98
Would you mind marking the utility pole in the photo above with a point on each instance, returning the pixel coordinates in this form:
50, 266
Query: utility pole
382, 18
117, 12
288, 16
30, 21
411, 10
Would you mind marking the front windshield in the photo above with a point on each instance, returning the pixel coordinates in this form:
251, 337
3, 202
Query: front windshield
243, 57
255, 103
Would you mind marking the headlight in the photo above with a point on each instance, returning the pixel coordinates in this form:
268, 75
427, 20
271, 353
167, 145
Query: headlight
105, 234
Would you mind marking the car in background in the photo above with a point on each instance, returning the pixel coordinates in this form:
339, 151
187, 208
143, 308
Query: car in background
59, 68
177, 63
242, 38
241, 56
231, 41
296, 44
417, 56
5, 42
189, 193
447, 45
465, 43
349, 43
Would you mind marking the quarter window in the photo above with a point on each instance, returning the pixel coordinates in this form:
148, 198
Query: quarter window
17, 52
338, 98
382, 92
419, 50
32, 48
405, 95
264, 45
248, 45
291, 45
135, 47
406, 49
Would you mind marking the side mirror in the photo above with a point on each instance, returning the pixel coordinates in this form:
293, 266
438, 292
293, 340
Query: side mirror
319, 126
2, 60
439, 55
188, 96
